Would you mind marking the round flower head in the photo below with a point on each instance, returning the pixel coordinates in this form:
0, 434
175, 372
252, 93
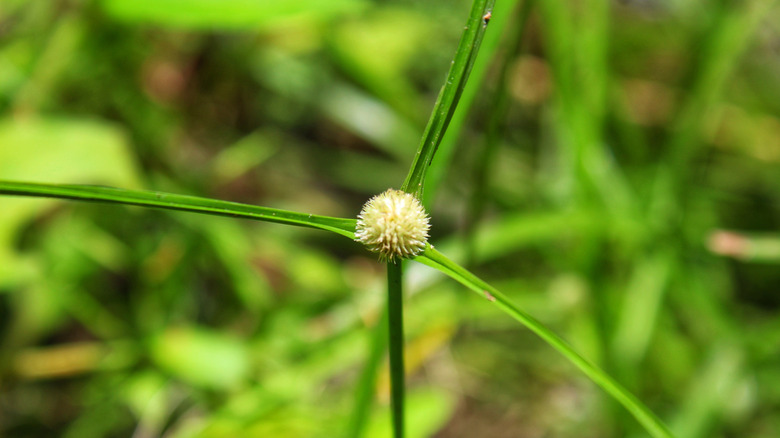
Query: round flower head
393, 224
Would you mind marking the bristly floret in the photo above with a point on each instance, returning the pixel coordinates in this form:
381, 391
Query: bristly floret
393, 224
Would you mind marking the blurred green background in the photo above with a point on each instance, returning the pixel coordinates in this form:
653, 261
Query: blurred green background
618, 175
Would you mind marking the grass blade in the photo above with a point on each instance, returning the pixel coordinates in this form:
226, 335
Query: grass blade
502, 15
169, 201
649, 421
449, 96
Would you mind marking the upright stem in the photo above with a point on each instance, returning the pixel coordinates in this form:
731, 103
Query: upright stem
396, 331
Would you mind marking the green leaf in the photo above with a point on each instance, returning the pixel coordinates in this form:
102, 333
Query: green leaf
501, 15
651, 423
169, 201
449, 96
224, 14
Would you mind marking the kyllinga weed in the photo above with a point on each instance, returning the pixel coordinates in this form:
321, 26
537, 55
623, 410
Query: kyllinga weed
495, 62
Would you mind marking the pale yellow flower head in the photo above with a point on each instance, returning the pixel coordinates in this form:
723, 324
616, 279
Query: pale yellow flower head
393, 224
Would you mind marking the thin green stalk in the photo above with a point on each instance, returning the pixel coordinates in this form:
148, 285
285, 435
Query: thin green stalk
502, 15
645, 417
396, 336
169, 201
364, 394
449, 96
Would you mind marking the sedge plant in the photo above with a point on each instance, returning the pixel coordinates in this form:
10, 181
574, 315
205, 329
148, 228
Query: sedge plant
394, 225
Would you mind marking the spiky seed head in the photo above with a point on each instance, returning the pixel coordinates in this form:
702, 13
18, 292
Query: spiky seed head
393, 224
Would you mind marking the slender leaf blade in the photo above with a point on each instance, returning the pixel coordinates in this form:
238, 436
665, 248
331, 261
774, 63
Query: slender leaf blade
170, 201
449, 95
501, 17
642, 413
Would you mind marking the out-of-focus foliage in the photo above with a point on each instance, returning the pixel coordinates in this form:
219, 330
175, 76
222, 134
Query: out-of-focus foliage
225, 14
619, 175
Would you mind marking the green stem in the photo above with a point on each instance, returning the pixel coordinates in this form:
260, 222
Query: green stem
396, 336
645, 417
